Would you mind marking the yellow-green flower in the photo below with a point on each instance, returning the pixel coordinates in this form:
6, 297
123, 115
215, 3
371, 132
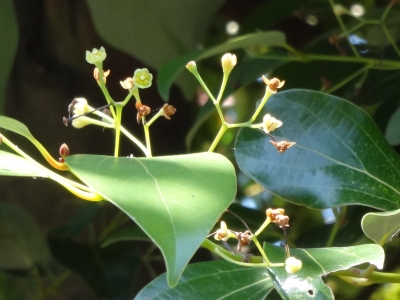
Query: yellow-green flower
293, 265
142, 78
96, 56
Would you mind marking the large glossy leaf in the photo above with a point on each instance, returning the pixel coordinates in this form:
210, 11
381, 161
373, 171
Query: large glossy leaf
8, 44
381, 227
171, 70
212, 280
22, 243
307, 283
176, 200
340, 156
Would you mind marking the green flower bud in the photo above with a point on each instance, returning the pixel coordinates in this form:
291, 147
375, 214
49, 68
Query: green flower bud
191, 66
142, 78
293, 265
96, 56
228, 62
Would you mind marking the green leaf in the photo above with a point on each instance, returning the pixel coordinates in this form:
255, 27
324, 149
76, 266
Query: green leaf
23, 245
340, 156
15, 165
15, 126
381, 227
176, 200
124, 235
9, 288
392, 133
170, 71
307, 283
212, 280
151, 30
8, 45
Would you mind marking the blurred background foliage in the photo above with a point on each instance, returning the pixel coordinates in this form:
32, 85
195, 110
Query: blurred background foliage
52, 244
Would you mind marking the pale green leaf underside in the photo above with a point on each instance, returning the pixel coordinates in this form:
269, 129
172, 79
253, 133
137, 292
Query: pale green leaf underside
15, 165
381, 227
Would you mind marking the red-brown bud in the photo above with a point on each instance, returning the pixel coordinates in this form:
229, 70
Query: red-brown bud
64, 151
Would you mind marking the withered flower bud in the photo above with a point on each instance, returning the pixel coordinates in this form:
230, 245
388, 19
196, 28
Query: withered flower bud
143, 111
278, 216
127, 83
273, 84
282, 146
168, 111
244, 239
96, 74
64, 150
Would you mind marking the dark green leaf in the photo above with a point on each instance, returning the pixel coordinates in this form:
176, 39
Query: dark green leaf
8, 44
22, 244
340, 156
176, 200
381, 227
212, 280
307, 283
170, 71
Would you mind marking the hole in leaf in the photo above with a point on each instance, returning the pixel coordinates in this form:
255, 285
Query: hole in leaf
311, 292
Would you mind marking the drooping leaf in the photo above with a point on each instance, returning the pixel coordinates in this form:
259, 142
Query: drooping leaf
15, 165
8, 45
212, 280
381, 227
340, 156
15, 126
307, 283
171, 70
176, 200
22, 245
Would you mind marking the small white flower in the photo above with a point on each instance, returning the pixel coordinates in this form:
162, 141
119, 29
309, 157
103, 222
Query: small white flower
270, 123
228, 62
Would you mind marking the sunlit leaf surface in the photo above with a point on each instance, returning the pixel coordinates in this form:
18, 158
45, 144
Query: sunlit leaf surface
307, 283
176, 200
340, 156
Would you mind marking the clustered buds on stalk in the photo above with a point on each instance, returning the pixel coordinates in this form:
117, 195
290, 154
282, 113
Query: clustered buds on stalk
278, 216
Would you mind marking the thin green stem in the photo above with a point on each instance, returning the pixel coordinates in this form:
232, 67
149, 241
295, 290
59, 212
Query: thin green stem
257, 243
147, 137
55, 284
263, 226
374, 63
103, 88
119, 219
339, 220
390, 39
347, 79
344, 29
155, 117
262, 103
200, 80
221, 132
223, 85
117, 129
386, 12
